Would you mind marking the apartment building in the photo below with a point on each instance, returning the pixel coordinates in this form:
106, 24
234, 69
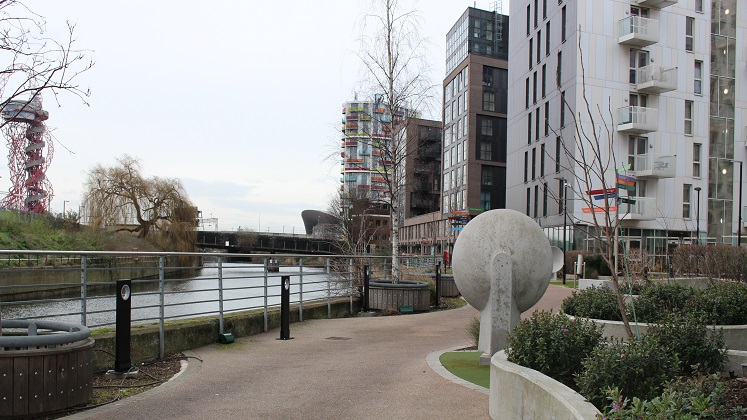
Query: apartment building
641, 94
475, 100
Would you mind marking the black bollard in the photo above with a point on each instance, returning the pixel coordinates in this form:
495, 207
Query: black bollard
285, 308
366, 281
122, 360
438, 284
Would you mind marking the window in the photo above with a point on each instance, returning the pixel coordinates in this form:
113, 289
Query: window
563, 20
486, 150
696, 160
539, 44
637, 147
529, 14
544, 199
531, 52
529, 128
544, 9
557, 153
698, 76
699, 6
547, 38
534, 163
561, 195
544, 80
536, 12
562, 109
529, 199
537, 124
547, 118
487, 176
526, 166
686, 188
689, 24
486, 127
559, 69
638, 59
542, 161
488, 101
534, 88
526, 95
485, 200
536, 199
689, 117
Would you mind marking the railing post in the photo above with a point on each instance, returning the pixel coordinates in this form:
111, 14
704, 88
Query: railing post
366, 279
161, 306
350, 280
329, 290
83, 289
265, 309
438, 284
300, 290
220, 295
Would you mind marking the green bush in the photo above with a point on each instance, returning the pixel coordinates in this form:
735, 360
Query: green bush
699, 397
657, 300
553, 344
688, 341
637, 367
592, 302
596, 264
721, 304
473, 330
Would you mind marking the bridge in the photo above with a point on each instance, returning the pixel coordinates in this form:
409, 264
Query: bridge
267, 243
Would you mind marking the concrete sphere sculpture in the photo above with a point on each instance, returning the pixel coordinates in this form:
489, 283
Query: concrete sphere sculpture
502, 264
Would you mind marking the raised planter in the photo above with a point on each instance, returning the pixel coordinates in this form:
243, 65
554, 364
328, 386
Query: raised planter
388, 295
448, 286
517, 392
44, 372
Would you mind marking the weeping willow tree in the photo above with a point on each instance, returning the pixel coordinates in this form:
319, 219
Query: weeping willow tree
158, 209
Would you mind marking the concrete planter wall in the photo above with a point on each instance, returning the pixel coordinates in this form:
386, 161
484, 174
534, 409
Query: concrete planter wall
517, 392
385, 295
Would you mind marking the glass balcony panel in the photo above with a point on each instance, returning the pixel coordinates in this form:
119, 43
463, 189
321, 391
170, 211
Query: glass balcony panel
638, 31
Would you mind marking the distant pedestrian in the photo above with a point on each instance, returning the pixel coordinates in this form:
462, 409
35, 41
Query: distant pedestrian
446, 258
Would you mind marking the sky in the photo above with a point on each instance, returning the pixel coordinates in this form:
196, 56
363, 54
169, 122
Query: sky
239, 100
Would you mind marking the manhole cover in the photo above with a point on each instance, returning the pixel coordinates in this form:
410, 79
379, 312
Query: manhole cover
338, 338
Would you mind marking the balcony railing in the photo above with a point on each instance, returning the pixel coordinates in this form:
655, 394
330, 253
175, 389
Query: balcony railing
637, 119
638, 31
655, 166
656, 4
656, 79
642, 208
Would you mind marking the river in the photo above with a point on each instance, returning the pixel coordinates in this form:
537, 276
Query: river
243, 289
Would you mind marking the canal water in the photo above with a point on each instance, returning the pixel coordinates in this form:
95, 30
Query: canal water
243, 289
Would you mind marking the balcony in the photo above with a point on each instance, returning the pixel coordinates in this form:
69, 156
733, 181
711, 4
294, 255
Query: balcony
642, 208
654, 4
637, 119
655, 166
638, 31
655, 79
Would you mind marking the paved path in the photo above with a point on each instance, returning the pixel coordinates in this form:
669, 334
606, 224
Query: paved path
350, 368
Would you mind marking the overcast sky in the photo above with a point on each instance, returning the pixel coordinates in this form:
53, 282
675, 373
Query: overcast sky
240, 100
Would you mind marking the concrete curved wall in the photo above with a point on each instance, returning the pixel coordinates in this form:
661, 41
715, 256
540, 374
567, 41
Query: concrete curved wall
517, 392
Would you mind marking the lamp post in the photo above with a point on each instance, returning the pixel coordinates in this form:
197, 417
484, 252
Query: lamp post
697, 221
564, 191
63, 207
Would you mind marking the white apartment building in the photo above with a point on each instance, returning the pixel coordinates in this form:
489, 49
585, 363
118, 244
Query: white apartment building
660, 85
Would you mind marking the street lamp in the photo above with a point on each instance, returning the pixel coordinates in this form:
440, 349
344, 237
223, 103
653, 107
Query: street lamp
564, 191
63, 207
697, 222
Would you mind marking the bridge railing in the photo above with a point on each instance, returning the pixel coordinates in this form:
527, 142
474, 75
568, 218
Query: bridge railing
79, 287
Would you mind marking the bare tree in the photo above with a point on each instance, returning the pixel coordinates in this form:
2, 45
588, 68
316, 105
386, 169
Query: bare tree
122, 198
34, 62
358, 228
392, 55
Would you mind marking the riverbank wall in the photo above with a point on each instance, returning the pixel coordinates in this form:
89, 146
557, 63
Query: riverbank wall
197, 332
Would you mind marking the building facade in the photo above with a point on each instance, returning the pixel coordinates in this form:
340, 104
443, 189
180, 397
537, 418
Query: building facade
475, 98
614, 94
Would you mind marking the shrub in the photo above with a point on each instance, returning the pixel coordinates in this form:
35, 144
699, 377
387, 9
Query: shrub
636, 367
593, 302
721, 304
553, 344
473, 330
596, 264
720, 261
699, 397
656, 301
688, 340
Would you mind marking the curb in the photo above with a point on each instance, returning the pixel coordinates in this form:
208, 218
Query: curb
434, 362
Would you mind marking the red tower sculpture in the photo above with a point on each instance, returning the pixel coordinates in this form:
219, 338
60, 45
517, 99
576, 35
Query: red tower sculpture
23, 127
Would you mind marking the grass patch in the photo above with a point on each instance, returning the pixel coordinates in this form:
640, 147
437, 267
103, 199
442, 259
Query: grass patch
466, 365
568, 283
